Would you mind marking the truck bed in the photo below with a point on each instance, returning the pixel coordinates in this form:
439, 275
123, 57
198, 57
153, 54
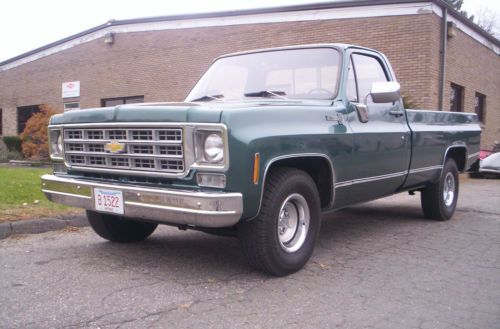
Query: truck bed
434, 134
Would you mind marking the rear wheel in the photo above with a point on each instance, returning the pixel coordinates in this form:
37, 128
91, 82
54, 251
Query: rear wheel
281, 239
439, 200
118, 229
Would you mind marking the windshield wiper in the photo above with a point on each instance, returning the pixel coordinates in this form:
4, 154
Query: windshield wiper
208, 98
267, 93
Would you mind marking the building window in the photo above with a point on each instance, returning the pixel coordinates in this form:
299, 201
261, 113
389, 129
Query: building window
24, 113
456, 98
71, 106
121, 100
480, 104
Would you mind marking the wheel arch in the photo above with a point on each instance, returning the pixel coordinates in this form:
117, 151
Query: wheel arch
459, 154
314, 164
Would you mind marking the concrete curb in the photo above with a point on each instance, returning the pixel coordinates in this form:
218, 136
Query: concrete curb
33, 226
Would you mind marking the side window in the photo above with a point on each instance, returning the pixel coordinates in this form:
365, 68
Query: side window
352, 90
368, 70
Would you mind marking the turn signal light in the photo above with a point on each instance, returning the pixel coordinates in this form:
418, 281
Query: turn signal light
256, 164
211, 180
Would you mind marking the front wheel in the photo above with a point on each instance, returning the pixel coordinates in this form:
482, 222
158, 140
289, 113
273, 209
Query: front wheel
281, 239
439, 200
117, 229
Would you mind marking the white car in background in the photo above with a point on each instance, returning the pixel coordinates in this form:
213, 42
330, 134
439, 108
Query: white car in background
490, 166
489, 163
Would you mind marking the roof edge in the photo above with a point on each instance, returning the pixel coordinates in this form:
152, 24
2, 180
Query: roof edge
467, 21
56, 43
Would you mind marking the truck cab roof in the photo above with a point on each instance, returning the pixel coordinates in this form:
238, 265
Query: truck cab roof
340, 46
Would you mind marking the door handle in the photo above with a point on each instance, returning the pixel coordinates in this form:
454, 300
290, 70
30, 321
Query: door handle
337, 118
396, 113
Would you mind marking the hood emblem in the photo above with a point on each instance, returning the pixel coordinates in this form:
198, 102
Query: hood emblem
114, 147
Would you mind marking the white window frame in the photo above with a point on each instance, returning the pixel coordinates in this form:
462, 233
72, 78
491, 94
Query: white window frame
71, 108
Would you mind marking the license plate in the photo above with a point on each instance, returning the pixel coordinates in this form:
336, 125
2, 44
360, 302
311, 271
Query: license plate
108, 201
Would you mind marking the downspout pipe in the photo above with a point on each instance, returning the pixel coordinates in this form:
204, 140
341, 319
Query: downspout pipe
442, 60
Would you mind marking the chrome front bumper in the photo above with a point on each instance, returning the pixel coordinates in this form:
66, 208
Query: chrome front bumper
167, 206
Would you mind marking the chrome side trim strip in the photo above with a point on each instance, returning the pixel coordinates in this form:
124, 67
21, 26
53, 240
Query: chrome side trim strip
419, 170
388, 176
370, 179
342, 184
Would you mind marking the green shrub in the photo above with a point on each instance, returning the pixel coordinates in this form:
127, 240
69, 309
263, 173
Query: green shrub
13, 143
6, 155
14, 155
3, 151
409, 103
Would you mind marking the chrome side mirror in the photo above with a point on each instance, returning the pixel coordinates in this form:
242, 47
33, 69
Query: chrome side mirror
381, 92
385, 92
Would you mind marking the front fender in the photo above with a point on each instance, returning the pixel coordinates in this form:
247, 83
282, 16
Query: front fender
279, 133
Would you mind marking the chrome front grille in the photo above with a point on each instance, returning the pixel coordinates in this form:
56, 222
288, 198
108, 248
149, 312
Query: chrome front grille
137, 149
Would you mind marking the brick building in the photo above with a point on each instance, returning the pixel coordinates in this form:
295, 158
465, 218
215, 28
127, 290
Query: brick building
442, 60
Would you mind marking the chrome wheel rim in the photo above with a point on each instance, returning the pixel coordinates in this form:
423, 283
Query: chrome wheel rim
293, 222
449, 189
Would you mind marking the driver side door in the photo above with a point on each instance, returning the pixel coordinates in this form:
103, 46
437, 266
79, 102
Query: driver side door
382, 143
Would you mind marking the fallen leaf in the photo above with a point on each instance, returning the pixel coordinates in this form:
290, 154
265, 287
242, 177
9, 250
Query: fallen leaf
324, 266
70, 229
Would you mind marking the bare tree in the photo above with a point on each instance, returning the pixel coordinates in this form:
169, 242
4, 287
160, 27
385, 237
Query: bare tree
485, 17
488, 21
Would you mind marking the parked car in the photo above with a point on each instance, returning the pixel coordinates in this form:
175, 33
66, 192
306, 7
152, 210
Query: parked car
264, 143
488, 164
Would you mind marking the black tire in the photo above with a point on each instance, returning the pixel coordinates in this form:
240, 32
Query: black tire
259, 237
117, 229
434, 204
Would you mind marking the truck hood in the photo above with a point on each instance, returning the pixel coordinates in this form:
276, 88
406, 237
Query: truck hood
209, 112
144, 112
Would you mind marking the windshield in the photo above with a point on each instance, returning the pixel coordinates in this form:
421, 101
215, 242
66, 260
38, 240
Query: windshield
285, 74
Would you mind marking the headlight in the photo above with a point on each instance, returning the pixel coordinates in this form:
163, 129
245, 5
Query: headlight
210, 148
56, 143
213, 148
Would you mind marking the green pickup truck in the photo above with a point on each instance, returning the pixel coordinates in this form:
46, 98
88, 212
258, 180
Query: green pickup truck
265, 143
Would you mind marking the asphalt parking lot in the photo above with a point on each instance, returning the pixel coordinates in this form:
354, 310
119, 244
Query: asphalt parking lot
377, 265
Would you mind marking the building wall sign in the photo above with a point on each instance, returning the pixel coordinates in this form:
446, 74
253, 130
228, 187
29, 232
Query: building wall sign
71, 89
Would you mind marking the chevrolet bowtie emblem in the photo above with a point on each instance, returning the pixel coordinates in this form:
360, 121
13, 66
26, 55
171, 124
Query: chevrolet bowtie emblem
114, 147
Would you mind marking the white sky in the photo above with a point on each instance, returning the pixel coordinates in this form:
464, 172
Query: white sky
29, 24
